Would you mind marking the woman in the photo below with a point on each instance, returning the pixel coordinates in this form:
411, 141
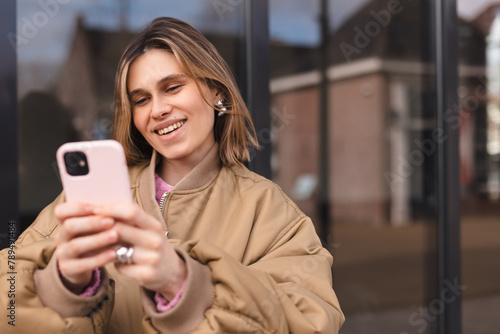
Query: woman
211, 246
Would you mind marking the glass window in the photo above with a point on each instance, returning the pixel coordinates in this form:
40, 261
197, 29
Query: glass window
479, 94
382, 144
68, 52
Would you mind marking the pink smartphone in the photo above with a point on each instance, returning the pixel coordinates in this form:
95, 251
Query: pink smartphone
94, 172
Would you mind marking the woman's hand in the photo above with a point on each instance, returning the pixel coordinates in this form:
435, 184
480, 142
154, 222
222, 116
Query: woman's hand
155, 264
84, 242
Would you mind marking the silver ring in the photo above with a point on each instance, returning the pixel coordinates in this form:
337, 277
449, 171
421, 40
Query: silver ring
124, 254
129, 254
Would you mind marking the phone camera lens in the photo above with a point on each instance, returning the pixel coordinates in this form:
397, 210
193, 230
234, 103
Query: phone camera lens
76, 163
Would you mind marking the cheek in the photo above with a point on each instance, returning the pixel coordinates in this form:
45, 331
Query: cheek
204, 115
204, 124
209, 119
139, 122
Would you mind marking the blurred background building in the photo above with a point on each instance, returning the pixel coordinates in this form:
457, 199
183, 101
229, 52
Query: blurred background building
383, 131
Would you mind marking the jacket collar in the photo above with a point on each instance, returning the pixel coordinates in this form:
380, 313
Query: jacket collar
199, 176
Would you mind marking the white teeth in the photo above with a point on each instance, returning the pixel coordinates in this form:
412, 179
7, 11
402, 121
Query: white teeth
170, 128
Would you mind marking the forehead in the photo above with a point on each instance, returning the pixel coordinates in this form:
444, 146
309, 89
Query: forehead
150, 67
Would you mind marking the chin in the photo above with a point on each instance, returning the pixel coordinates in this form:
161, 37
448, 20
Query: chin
174, 153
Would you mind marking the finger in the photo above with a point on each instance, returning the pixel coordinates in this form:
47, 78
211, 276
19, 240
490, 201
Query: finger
137, 237
142, 256
79, 226
75, 267
131, 214
82, 245
72, 209
112, 247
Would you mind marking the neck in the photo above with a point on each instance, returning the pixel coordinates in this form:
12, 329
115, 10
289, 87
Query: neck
172, 171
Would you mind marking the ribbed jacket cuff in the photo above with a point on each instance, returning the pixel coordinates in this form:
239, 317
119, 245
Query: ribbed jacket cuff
55, 295
197, 297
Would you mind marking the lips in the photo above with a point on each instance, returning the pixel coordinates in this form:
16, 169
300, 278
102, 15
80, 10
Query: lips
170, 128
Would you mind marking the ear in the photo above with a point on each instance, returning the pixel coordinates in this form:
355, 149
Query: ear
216, 96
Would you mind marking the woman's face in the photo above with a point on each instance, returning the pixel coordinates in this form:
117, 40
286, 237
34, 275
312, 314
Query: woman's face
168, 109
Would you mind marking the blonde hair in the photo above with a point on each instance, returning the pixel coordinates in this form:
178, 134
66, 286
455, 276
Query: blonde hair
234, 131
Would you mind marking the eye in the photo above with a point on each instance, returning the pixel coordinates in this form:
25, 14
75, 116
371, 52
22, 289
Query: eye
173, 89
140, 101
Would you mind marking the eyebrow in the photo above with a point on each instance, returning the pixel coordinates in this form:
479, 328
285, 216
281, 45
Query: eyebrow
170, 77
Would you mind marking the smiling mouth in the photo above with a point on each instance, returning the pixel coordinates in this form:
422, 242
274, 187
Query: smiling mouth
170, 128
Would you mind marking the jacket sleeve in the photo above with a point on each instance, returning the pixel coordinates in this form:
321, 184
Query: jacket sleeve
287, 290
189, 311
34, 299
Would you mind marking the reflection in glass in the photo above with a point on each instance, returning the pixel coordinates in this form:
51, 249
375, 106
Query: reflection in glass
382, 152
479, 94
493, 135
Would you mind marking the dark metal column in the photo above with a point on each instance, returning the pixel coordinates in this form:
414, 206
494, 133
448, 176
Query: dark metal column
9, 207
448, 163
256, 92
324, 152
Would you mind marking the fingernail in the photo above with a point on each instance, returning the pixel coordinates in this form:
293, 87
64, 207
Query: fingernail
107, 221
97, 210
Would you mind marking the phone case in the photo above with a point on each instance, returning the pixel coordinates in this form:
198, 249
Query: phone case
107, 180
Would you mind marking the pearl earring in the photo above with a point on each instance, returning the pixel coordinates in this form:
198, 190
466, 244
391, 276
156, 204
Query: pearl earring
220, 105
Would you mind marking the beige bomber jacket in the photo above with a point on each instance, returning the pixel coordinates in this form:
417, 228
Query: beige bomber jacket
255, 265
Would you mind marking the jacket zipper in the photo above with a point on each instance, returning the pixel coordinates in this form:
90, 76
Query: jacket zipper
163, 200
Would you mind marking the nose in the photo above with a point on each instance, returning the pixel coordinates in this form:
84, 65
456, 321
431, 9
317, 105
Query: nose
160, 108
